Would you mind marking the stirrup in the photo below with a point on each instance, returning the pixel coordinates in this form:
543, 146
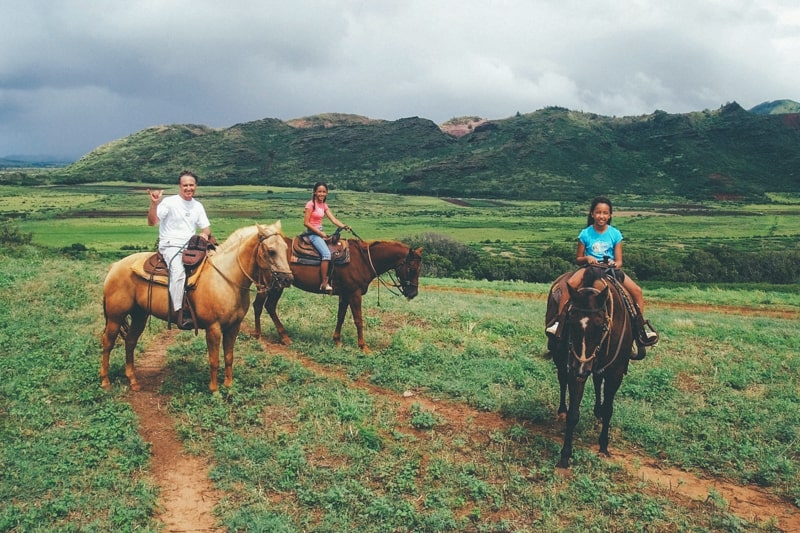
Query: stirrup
326, 288
552, 329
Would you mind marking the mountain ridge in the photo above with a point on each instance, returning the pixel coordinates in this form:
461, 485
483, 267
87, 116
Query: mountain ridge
728, 153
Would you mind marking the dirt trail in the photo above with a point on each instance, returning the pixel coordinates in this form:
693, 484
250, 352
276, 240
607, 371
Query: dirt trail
187, 496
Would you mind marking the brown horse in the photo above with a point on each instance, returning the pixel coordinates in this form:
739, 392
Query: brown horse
221, 296
368, 260
597, 339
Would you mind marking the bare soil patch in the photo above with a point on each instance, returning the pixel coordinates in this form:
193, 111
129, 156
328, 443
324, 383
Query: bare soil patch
187, 495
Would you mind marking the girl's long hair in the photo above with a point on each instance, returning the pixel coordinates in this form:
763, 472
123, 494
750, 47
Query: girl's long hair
597, 200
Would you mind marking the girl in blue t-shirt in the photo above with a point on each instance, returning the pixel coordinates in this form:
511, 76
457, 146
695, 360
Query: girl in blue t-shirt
601, 242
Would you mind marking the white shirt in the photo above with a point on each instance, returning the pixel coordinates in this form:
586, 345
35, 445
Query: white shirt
179, 219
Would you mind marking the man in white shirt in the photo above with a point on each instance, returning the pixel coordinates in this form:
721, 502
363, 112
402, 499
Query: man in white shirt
178, 218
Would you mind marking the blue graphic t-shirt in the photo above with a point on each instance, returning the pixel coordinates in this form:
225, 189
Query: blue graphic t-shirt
599, 245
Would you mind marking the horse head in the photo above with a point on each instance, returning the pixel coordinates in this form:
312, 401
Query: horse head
272, 255
587, 328
408, 273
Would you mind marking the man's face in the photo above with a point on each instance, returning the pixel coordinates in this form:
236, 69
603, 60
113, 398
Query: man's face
187, 187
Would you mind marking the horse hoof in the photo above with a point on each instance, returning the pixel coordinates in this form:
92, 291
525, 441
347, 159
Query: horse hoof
563, 463
561, 417
136, 387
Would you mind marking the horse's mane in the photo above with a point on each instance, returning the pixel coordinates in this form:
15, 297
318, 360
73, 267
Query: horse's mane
237, 236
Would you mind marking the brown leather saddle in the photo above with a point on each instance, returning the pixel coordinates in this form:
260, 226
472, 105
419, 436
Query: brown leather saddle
304, 253
193, 256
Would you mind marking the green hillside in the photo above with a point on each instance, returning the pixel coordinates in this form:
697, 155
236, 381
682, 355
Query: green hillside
728, 153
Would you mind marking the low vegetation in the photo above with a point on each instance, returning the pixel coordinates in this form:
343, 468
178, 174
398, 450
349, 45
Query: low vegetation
319, 439
665, 241
449, 424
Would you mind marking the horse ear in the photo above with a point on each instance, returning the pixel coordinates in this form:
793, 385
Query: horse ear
573, 292
603, 294
278, 225
418, 251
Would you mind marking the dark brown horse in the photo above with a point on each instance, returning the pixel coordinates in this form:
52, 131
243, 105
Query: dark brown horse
597, 340
368, 260
221, 296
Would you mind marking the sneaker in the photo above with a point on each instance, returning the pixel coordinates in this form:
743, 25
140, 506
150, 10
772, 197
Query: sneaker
552, 330
326, 288
650, 338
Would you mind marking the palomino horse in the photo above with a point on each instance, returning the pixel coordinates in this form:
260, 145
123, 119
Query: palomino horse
597, 339
368, 260
221, 296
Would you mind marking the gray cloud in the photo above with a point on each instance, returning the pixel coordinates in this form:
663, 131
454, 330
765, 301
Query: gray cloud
75, 75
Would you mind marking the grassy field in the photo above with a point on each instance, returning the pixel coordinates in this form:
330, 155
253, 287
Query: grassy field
318, 438
447, 426
110, 218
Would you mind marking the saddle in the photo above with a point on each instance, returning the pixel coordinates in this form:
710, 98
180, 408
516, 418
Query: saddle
153, 268
304, 253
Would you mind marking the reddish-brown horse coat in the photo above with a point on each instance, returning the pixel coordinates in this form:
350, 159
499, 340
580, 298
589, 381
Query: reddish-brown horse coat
368, 260
221, 297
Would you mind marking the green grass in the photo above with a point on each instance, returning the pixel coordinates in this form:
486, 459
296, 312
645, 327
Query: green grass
296, 450
72, 458
110, 218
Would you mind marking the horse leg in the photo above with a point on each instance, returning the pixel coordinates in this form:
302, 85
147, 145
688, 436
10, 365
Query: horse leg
108, 340
598, 396
272, 308
561, 368
138, 321
344, 302
358, 320
576, 388
611, 386
213, 337
228, 341
258, 307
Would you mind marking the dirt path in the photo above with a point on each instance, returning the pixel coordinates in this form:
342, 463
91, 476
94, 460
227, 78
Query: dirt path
187, 496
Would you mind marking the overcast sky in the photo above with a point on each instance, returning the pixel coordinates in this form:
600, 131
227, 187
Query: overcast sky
75, 74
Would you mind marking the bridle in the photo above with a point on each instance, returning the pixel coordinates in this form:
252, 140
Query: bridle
262, 284
607, 309
405, 286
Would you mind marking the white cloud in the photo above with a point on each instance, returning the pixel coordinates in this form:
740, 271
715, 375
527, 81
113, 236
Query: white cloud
77, 74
